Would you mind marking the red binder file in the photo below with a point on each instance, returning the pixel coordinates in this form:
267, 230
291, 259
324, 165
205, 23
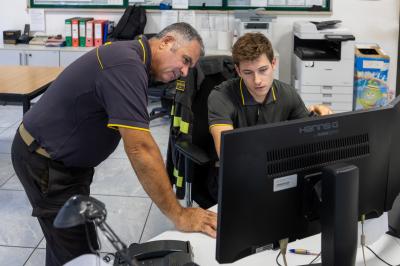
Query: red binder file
89, 33
98, 32
75, 32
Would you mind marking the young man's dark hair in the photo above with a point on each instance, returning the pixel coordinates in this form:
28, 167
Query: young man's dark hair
250, 46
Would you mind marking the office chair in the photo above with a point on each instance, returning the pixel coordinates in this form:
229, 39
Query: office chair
163, 93
191, 155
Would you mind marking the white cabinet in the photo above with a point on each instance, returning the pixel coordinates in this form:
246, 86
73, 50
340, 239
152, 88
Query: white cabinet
11, 57
33, 55
67, 57
42, 58
29, 58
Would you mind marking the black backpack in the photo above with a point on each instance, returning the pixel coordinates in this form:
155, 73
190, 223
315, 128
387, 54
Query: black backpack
131, 24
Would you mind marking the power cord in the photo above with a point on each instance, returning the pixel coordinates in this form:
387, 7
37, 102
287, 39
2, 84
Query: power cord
277, 257
376, 255
319, 254
362, 238
363, 244
283, 247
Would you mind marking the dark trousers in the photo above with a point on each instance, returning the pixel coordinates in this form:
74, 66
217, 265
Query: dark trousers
48, 185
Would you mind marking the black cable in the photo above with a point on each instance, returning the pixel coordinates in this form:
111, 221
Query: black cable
90, 242
319, 254
277, 257
376, 255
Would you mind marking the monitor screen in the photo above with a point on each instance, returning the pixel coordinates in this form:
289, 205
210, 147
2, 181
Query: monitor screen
270, 175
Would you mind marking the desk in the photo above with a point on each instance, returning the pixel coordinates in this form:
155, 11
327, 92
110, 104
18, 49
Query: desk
386, 246
23, 83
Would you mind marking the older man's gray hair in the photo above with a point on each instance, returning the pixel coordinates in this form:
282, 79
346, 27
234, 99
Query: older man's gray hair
183, 32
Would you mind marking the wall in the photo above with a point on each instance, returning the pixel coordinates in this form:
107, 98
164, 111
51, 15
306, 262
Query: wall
370, 22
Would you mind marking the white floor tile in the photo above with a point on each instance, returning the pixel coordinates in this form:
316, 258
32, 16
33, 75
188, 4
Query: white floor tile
13, 184
119, 152
116, 177
10, 115
42, 243
126, 216
38, 258
6, 169
6, 138
17, 226
156, 224
14, 256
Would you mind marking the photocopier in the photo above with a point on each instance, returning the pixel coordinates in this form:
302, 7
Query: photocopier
323, 64
251, 21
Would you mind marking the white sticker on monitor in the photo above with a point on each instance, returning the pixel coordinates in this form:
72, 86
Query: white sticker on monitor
285, 182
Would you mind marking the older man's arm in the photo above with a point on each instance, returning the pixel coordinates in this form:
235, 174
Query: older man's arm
320, 109
148, 164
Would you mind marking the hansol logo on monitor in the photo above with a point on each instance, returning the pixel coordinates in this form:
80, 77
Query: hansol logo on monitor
319, 127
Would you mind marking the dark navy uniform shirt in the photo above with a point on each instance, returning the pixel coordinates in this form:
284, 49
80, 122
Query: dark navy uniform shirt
76, 121
230, 103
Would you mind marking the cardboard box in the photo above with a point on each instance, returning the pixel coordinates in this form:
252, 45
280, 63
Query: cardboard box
370, 80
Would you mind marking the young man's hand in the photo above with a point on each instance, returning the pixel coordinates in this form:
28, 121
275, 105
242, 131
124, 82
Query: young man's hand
320, 109
197, 220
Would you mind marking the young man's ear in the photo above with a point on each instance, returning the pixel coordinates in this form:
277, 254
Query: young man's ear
273, 63
237, 70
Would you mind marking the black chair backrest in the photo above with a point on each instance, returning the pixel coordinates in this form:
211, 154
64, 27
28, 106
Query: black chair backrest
216, 69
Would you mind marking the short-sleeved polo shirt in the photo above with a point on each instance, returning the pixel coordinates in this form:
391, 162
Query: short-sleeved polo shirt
230, 103
77, 118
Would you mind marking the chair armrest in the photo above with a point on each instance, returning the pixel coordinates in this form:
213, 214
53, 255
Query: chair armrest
193, 152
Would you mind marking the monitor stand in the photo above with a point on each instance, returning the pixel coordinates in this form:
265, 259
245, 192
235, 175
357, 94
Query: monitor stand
339, 215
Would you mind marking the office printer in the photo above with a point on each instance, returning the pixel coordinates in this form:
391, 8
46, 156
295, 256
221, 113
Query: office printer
250, 21
323, 64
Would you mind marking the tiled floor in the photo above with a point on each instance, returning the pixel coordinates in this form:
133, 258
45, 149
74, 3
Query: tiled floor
131, 212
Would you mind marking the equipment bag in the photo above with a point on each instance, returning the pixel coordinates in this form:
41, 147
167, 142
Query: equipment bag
131, 24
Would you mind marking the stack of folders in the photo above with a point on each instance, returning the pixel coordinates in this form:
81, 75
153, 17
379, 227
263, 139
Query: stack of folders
55, 41
48, 41
86, 32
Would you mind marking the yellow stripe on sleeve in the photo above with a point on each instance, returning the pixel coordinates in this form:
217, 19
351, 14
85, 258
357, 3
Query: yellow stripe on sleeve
217, 125
116, 126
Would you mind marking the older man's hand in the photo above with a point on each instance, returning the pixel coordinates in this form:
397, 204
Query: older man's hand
197, 220
320, 109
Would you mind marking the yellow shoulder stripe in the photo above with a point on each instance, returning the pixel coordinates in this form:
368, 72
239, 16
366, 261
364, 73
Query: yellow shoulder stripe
98, 58
116, 126
241, 90
273, 93
144, 50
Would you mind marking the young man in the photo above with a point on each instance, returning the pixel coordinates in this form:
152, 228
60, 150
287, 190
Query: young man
79, 122
255, 97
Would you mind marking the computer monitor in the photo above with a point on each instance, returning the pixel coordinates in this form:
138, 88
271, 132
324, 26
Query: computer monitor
270, 177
